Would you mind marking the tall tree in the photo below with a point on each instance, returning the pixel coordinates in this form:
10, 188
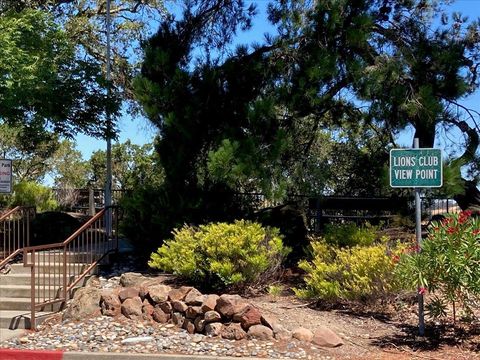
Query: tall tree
84, 24
43, 84
251, 118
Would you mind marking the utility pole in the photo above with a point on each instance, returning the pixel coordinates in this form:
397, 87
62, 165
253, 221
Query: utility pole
108, 182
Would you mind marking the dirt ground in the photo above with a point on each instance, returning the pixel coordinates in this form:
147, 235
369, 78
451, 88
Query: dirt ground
389, 331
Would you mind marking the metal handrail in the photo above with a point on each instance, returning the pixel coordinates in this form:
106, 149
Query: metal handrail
53, 277
15, 232
9, 212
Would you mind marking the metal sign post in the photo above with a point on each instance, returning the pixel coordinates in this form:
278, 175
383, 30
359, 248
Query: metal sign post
418, 233
416, 168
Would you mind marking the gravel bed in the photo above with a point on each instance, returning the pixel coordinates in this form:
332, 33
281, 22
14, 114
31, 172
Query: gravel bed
107, 334
121, 335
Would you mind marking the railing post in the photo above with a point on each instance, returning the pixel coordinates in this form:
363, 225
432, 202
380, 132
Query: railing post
32, 289
65, 272
91, 202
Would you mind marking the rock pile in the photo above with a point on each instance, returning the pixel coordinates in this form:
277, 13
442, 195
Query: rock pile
227, 316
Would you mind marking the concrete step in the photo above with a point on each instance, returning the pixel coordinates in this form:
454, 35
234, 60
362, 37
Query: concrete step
24, 291
21, 304
45, 268
14, 279
53, 256
11, 319
23, 279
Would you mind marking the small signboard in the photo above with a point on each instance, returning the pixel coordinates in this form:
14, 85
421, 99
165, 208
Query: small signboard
416, 168
5, 176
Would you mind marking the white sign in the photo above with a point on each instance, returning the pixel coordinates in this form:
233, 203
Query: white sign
5, 176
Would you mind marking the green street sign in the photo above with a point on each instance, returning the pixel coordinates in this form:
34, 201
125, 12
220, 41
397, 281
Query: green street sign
414, 168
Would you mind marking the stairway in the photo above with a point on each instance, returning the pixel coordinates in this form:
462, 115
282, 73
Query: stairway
15, 290
33, 289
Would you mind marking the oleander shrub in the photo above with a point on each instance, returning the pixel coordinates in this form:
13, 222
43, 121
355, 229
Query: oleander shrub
447, 266
359, 272
222, 254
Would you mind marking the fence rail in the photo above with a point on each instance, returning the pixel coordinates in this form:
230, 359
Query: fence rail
57, 268
15, 231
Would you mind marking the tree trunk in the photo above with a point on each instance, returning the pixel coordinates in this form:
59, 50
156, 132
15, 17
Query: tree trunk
470, 200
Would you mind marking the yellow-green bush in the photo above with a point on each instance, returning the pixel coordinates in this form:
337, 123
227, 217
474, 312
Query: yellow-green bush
350, 234
29, 193
221, 254
349, 273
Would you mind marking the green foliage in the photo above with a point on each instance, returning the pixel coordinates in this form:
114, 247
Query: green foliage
275, 290
349, 273
67, 167
28, 193
350, 234
42, 82
30, 149
447, 264
132, 166
236, 254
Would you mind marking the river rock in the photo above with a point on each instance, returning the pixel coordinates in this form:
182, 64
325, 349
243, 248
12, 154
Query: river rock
325, 337
260, 332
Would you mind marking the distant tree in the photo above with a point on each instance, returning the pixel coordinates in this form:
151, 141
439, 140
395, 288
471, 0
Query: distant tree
67, 167
29, 150
132, 166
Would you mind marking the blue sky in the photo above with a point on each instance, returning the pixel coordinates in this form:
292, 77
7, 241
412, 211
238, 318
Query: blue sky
140, 131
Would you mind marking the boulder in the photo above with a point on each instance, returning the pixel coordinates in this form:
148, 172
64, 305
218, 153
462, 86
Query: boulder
233, 331
189, 326
128, 293
159, 316
325, 337
193, 297
212, 316
302, 334
228, 305
269, 320
147, 311
193, 311
131, 279
279, 331
178, 319
260, 332
110, 304
157, 293
199, 324
85, 303
248, 316
179, 306
209, 302
179, 294
132, 308
213, 329
166, 307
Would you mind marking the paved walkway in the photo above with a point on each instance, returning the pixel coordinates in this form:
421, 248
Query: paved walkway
7, 354
6, 334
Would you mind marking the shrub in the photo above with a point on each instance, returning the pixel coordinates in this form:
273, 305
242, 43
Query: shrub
29, 193
222, 254
349, 273
447, 264
350, 234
